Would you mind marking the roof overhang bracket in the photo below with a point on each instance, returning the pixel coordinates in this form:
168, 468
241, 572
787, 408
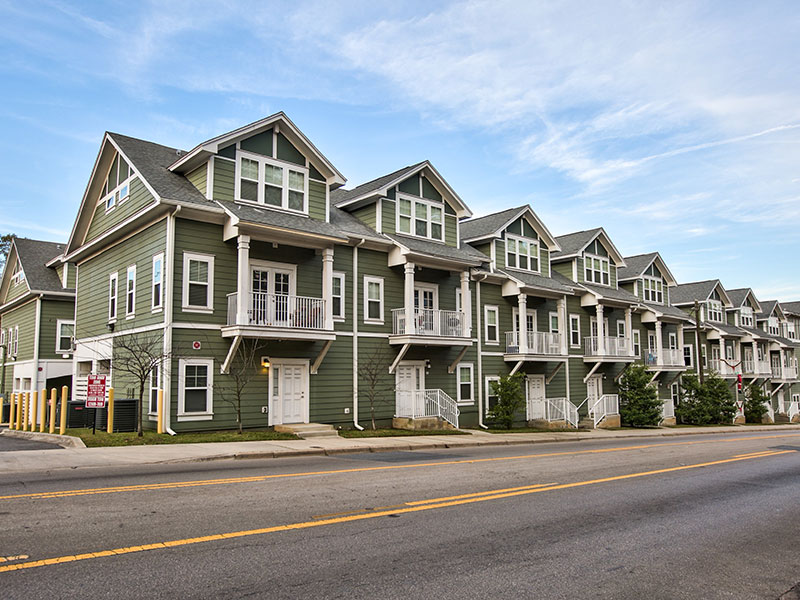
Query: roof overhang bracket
591, 372
321, 357
775, 391
555, 371
400, 356
516, 367
226, 365
452, 368
625, 368
653, 378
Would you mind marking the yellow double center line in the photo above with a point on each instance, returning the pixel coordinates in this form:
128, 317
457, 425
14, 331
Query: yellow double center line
411, 507
258, 478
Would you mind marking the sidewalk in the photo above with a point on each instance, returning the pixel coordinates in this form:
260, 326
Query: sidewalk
72, 458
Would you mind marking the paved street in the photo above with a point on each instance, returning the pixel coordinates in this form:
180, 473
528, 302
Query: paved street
9, 444
688, 517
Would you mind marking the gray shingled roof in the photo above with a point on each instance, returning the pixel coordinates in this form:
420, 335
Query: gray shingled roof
611, 293
727, 329
767, 306
636, 265
341, 196
572, 243
34, 255
465, 254
352, 226
689, 292
755, 332
738, 296
266, 216
666, 309
152, 160
791, 307
489, 224
557, 283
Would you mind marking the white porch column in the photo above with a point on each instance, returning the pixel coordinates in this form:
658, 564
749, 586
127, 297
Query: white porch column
722, 355
408, 298
243, 281
659, 345
680, 340
629, 330
562, 323
327, 285
755, 357
782, 355
466, 305
522, 328
601, 331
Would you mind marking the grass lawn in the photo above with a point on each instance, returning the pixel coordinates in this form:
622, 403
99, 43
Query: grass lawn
101, 438
367, 433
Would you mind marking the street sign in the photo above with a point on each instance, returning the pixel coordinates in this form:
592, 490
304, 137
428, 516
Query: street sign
96, 391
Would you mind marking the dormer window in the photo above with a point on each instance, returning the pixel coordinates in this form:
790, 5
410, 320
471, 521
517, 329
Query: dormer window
420, 218
653, 289
596, 269
746, 316
117, 186
271, 182
19, 275
773, 326
522, 253
714, 311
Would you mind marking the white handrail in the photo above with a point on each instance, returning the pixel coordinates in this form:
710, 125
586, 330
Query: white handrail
417, 404
539, 342
611, 346
794, 409
279, 310
606, 405
442, 323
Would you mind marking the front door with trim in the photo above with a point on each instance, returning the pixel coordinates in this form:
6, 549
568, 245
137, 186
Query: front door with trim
536, 397
410, 378
594, 389
288, 384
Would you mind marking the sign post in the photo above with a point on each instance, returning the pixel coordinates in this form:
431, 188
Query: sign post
95, 395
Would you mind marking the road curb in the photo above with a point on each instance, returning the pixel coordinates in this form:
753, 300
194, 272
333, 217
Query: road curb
65, 441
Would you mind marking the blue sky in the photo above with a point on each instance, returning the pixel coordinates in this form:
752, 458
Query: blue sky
676, 126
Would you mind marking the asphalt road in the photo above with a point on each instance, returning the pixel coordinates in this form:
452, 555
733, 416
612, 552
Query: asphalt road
690, 517
9, 444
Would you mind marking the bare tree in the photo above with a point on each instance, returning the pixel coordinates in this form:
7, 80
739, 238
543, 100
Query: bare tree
374, 376
241, 371
136, 356
5, 246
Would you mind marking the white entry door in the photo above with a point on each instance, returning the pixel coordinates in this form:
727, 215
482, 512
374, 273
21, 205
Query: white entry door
536, 397
781, 402
288, 382
410, 378
594, 389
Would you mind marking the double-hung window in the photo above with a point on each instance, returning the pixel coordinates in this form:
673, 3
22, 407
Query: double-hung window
653, 290
492, 329
491, 392
575, 331
373, 299
198, 282
112, 296
596, 269
65, 330
465, 393
773, 326
337, 295
130, 291
155, 385
714, 311
158, 282
746, 316
420, 218
117, 186
522, 253
637, 342
195, 381
621, 329
553, 322
272, 182
16, 339
688, 356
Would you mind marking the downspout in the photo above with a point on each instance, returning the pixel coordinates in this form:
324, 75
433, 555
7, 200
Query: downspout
169, 275
355, 334
480, 346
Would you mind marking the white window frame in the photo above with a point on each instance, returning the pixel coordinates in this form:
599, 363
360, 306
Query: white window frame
550, 316
704, 355
773, 326
18, 276
471, 400
746, 316
285, 166
185, 306
16, 339
636, 335
675, 393
208, 414
653, 289
113, 299
490, 308
150, 387
604, 268
487, 383
130, 291
690, 355
157, 300
413, 229
574, 319
59, 324
458, 298
531, 243
119, 193
341, 277
714, 311
621, 329
672, 340
367, 280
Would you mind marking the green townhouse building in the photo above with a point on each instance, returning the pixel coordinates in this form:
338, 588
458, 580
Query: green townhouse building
37, 312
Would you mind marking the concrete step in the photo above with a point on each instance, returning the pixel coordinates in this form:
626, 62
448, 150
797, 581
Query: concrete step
308, 430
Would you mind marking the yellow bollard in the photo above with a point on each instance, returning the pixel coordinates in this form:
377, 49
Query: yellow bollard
43, 397
12, 411
53, 399
26, 416
19, 410
62, 427
160, 411
34, 409
110, 427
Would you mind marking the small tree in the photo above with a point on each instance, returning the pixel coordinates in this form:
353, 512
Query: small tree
722, 406
5, 246
510, 399
755, 404
639, 404
709, 402
374, 378
691, 408
241, 371
136, 356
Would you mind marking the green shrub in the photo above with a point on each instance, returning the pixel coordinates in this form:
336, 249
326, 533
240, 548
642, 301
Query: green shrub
510, 400
639, 404
755, 404
711, 402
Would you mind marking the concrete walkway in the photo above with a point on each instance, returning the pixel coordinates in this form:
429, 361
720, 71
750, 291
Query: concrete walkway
76, 457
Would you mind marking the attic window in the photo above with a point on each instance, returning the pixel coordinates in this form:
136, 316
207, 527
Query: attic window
746, 316
653, 288
419, 218
117, 186
596, 269
714, 311
19, 275
271, 182
522, 253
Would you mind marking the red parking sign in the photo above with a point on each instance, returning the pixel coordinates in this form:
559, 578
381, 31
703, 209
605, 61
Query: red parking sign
96, 391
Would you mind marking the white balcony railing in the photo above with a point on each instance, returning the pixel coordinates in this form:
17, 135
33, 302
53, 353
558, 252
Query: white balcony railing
416, 404
670, 357
763, 367
539, 342
606, 405
787, 372
721, 367
747, 366
607, 346
424, 321
279, 310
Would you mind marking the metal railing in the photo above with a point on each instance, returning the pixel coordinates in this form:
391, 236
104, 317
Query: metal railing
787, 372
794, 409
670, 357
279, 310
605, 406
425, 321
611, 346
417, 404
747, 366
539, 342
763, 367
561, 409
721, 367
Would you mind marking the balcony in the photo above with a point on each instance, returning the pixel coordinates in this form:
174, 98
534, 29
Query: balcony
430, 327
671, 359
540, 344
763, 368
608, 349
784, 373
721, 367
277, 316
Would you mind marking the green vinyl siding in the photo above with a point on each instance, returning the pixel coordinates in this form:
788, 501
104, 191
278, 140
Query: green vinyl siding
388, 216
500, 254
102, 221
450, 231
93, 281
72, 272
544, 261
484, 248
199, 177
373, 263
224, 176
52, 312
15, 290
367, 214
343, 263
23, 317
317, 202
564, 268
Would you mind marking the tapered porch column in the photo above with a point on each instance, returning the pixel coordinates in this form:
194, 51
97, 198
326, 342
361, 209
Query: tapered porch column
466, 305
722, 356
782, 356
243, 281
327, 286
755, 357
659, 345
629, 332
680, 339
408, 298
601, 331
562, 323
522, 315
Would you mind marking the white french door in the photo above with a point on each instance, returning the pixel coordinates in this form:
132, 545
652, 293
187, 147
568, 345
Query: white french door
425, 303
288, 384
271, 288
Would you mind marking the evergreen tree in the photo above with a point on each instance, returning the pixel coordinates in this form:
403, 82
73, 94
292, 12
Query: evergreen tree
639, 404
755, 404
510, 400
711, 402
